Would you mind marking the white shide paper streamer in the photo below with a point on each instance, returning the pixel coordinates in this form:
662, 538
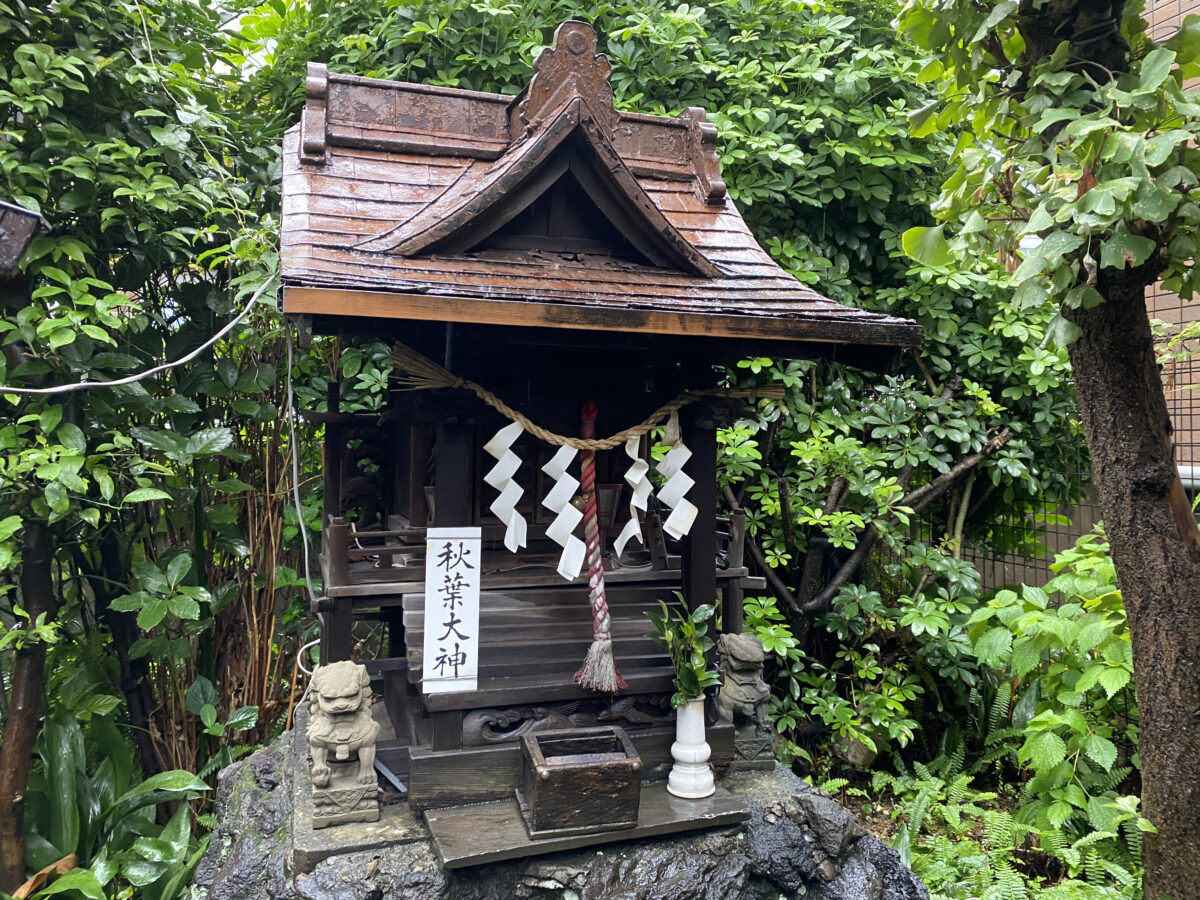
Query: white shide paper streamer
501, 478
678, 483
636, 478
558, 501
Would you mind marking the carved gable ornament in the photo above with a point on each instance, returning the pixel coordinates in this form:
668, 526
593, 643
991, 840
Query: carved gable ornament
570, 69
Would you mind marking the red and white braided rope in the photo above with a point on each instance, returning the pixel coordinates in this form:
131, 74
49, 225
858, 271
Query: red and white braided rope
601, 627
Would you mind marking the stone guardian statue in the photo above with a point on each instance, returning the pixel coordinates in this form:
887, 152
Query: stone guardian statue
341, 742
744, 700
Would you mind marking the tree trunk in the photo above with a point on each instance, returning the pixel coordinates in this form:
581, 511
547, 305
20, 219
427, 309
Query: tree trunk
135, 673
28, 691
1156, 548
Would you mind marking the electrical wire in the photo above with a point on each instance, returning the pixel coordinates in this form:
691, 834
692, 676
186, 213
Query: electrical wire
131, 379
295, 448
291, 420
300, 663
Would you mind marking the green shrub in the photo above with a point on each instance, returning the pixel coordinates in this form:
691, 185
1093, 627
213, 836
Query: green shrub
83, 800
1065, 649
1057, 740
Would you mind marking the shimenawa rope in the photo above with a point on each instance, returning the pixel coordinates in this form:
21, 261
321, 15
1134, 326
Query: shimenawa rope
418, 372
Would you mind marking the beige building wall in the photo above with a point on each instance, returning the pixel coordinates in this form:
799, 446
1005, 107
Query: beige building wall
1165, 16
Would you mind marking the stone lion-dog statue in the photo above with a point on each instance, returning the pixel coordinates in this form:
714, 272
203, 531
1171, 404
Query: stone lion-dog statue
743, 692
340, 721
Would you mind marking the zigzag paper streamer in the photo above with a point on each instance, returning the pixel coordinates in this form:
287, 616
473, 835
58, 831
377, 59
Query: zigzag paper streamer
636, 478
558, 501
683, 511
501, 478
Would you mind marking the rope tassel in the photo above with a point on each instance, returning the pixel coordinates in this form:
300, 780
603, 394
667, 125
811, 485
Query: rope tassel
599, 669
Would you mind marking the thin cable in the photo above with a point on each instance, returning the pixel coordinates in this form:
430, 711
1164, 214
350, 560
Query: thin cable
308, 672
295, 447
87, 385
300, 657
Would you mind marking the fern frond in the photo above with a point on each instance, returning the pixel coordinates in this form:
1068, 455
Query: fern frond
226, 756
1000, 708
833, 785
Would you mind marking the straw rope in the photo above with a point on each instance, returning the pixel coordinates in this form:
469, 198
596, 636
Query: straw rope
419, 373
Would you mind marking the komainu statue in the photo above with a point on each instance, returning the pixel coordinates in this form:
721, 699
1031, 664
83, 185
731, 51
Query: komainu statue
744, 699
341, 742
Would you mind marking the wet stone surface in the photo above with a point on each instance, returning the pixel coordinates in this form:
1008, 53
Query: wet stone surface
797, 840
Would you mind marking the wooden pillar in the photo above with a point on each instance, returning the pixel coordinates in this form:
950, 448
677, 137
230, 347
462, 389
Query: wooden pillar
733, 610
335, 448
337, 635
419, 439
700, 548
337, 638
454, 494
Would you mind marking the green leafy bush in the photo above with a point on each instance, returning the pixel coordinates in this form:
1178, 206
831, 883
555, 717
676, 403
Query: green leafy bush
85, 800
1065, 648
1057, 739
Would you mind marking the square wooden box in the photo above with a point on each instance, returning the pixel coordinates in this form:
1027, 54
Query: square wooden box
579, 781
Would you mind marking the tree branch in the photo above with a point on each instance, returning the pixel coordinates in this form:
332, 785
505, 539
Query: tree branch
960, 521
916, 500
927, 493
930, 383
818, 544
785, 513
781, 590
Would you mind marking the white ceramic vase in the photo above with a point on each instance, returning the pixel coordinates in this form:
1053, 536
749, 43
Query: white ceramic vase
691, 776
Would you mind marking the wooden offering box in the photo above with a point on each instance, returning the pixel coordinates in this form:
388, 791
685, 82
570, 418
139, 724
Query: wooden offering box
579, 781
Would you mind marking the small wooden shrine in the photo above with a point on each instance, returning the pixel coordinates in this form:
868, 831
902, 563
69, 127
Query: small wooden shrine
555, 267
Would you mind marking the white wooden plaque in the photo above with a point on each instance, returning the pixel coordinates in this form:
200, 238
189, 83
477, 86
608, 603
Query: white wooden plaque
452, 567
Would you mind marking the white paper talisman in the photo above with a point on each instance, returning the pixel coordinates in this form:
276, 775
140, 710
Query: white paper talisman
452, 569
567, 517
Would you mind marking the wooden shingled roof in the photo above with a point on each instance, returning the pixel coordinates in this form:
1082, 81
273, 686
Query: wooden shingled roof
407, 201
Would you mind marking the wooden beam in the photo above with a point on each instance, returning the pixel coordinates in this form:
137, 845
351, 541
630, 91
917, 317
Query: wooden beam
447, 730
337, 637
497, 311
487, 833
453, 499
700, 546
480, 774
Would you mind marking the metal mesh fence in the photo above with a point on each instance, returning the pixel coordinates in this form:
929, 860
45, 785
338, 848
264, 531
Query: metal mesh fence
1058, 527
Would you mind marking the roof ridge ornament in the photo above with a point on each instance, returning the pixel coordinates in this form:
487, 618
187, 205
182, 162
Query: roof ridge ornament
702, 144
570, 68
313, 148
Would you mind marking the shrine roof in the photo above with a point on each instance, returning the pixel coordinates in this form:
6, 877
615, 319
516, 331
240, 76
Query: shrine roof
407, 201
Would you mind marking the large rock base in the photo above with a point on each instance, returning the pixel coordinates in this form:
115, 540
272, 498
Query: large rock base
798, 841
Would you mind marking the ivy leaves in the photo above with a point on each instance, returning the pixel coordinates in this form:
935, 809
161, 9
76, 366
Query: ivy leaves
202, 700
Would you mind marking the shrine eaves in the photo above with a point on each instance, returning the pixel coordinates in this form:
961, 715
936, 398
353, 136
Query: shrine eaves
549, 209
